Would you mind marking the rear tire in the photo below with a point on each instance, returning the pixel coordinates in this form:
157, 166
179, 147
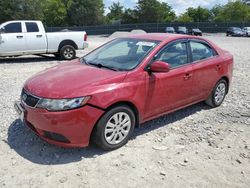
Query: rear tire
67, 52
218, 94
114, 128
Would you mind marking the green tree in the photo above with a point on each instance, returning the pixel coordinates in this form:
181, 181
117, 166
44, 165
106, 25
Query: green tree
130, 16
184, 18
216, 11
150, 11
198, 14
116, 12
166, 13
67, 4
86, 12
234, 11
8, 9
20, 9
31, 9
55, 13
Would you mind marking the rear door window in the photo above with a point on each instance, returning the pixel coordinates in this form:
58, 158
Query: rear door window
201, 51
13, 28
31, 27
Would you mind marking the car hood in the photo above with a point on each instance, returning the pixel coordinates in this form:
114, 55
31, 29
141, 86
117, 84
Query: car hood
238, 31
72, 79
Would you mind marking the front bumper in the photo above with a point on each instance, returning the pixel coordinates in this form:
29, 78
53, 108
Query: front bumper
237, 34
70, 128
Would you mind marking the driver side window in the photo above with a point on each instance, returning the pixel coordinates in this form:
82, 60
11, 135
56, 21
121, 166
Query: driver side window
13, 28
175, 54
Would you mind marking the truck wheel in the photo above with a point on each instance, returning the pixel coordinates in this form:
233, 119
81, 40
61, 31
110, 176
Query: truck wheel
67, 52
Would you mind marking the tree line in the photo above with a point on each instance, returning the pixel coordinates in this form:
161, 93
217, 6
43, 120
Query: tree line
92, 12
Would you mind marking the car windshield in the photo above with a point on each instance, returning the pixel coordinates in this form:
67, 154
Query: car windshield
120, 54
237, 29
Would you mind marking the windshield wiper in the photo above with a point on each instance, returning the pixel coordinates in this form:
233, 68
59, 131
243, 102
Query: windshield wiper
82, 60
99, 65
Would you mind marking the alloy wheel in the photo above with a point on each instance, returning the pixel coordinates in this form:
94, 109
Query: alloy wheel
117, 128
220, 93
68, 53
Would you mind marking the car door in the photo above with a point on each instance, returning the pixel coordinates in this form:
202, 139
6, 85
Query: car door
35, 38
207, 68
12, 39
168, 91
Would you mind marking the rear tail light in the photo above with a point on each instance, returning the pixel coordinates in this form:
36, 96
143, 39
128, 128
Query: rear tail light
85, 37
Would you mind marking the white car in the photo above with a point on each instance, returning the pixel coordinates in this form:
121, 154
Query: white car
246, 31
29, 37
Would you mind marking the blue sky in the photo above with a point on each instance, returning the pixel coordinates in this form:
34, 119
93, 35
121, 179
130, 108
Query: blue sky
178, 5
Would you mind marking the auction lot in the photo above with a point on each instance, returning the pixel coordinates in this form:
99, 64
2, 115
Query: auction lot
194, 147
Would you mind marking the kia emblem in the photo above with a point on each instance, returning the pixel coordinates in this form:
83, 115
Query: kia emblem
24, 97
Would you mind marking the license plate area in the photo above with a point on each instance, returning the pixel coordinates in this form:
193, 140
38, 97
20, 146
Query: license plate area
20, 110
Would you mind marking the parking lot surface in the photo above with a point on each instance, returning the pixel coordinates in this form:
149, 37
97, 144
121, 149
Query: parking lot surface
194, 147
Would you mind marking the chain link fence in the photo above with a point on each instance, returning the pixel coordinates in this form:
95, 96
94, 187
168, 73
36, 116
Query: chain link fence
207, 27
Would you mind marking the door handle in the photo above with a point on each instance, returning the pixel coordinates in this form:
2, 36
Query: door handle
39, 36
187, 76
19, 37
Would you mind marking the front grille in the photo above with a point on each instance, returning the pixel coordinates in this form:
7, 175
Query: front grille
29, 99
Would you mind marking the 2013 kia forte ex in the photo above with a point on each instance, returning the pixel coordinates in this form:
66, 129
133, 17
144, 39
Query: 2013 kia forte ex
105, 94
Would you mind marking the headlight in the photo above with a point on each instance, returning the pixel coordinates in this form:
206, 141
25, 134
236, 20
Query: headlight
62, 104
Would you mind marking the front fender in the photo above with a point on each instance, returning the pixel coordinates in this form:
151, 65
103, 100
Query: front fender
132, 91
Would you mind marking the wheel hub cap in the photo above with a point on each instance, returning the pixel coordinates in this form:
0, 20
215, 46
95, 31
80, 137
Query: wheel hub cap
117, 128
220, 93
68, 53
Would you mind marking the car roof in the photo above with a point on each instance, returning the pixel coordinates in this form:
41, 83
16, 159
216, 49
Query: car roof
235, 27
168, 37
160, 36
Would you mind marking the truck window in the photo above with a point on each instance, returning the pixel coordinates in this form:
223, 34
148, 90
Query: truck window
13, 28
31, 27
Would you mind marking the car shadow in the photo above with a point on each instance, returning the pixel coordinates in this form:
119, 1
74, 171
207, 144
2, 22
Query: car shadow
29, 146
28, 59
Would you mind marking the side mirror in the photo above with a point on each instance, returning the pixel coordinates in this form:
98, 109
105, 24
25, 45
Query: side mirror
2, 30
159, 66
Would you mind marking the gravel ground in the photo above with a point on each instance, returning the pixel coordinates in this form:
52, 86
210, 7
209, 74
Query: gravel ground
193, 147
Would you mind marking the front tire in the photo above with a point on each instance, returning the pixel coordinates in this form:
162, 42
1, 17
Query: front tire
67, 52
218, 94
114, 128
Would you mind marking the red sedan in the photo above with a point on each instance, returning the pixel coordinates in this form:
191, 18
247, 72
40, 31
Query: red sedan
123, 83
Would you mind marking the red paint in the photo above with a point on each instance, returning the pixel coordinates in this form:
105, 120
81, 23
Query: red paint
153, 94
159, 66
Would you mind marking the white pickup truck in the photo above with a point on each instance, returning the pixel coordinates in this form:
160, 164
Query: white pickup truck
29, 38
